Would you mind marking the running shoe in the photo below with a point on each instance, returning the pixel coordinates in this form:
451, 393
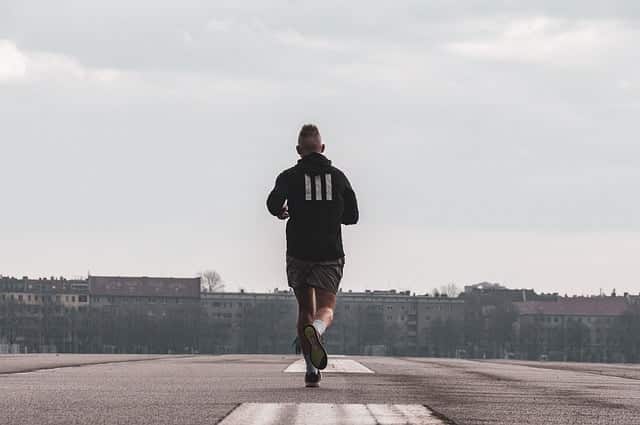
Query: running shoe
318, 353
312, 380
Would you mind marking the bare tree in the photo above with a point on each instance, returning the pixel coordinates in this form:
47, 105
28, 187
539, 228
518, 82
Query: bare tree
211, 281
450, 290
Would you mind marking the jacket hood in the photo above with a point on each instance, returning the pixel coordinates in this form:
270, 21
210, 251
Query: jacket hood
314, 162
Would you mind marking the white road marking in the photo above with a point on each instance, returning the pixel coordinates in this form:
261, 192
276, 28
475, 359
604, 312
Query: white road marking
339, 365
327, 415
255, 413
331, 414
356, 414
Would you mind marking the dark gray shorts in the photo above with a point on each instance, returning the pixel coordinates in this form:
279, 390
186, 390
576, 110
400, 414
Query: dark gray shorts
319, 274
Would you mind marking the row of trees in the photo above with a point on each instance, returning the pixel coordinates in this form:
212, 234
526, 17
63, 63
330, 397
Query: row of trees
627, 332
266, 327
501, 333
144, 328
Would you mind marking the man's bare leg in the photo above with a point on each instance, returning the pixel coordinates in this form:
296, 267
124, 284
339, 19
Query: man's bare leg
325, 302
325, 306
306, 313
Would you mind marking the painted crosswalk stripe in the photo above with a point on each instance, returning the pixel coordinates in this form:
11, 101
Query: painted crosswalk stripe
331, 414
335, 365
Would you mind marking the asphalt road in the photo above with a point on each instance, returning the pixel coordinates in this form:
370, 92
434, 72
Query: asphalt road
210, 389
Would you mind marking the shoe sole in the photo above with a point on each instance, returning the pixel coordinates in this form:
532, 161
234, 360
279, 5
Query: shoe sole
318, 353
311, 384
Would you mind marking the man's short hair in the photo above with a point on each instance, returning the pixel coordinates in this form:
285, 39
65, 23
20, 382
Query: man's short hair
308, 130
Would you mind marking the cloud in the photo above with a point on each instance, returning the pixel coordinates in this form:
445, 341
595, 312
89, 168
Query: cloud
17, 65
545, 40
296, 39
290, 37
13, 63
629, 85
221, 25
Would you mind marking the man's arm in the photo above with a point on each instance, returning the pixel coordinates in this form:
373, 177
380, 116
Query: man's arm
350, 214
277, 197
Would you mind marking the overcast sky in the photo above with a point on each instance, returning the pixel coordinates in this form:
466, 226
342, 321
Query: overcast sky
486, 140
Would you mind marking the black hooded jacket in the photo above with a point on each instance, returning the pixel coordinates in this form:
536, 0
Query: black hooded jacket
320, 199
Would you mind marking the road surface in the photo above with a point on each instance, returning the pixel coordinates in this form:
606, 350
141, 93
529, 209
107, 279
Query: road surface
267, 389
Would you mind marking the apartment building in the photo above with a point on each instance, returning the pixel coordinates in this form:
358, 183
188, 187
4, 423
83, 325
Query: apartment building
571, 328
370, 322
38, 314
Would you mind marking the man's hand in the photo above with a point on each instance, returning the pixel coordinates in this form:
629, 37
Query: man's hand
284, 213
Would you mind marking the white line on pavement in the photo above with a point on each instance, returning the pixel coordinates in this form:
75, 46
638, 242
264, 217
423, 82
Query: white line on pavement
339, 365
331, 414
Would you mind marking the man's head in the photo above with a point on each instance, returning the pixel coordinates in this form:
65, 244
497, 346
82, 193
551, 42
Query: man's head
309, 140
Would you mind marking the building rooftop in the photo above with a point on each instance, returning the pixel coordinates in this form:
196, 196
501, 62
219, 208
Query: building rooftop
42, 285
144, 286
595, 306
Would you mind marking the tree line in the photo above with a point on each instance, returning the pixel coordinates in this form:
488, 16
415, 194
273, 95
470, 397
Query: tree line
267, 327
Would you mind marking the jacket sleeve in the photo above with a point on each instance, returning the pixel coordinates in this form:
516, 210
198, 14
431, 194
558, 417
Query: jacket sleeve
278, 196
350, 214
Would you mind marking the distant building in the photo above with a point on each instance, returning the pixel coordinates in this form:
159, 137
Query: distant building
396, 323
66, 293
370, 322
489, 315
578, 328
35, 313
144, 314
114, 289
246, 322
121, 314
497, 291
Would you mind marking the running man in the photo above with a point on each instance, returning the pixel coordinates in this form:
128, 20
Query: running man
317, 199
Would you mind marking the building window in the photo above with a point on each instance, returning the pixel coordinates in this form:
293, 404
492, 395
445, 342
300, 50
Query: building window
19, 297
73, 298
82, 298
